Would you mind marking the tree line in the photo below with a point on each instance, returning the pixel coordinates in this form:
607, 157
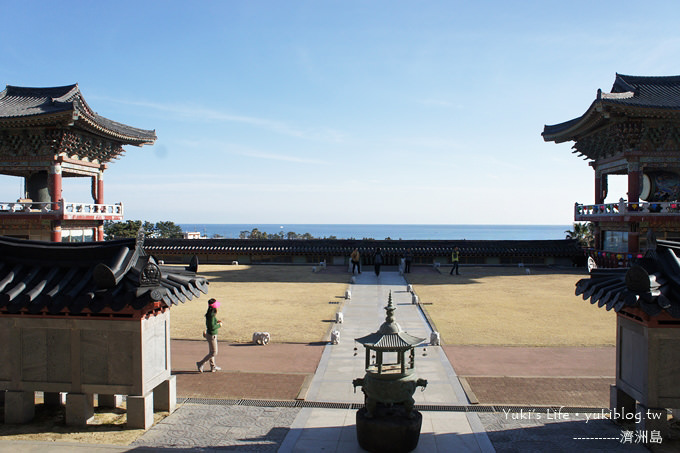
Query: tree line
169, 230
257, 234
130, 228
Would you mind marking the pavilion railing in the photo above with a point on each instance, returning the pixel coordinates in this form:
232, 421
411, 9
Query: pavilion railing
641, 208
60, 208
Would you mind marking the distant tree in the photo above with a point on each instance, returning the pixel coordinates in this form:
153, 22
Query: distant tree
150, 230
217, 236
169, 230
291, 235
583, 233
245, 234
121, 230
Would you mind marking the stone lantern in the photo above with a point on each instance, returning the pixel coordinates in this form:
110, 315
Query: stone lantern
389, 422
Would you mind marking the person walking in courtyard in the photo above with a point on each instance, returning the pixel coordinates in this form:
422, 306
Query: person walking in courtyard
455, 258
408, 257
377, 261
212, 324
355, 257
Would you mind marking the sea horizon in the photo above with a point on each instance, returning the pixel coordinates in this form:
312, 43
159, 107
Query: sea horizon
392, 231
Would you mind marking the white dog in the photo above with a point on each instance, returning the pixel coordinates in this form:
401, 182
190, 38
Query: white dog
335, 337
414, 299
261, 338
339, 318
409, 288
348, 294
434, 339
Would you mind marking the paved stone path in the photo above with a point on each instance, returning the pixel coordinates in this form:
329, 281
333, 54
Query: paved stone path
318, 429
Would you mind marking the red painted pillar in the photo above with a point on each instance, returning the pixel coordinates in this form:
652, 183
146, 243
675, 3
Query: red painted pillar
55, 185
56, 231
100, 188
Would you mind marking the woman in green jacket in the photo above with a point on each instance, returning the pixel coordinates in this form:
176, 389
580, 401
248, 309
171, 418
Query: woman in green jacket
212, 324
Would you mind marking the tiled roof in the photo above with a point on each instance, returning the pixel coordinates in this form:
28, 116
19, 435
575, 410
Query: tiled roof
339, 247
645, 91
55, 278
652, 284
652, 93
62, 105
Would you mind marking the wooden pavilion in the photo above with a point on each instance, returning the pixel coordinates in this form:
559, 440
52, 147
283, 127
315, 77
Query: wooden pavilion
47, 134
635, 131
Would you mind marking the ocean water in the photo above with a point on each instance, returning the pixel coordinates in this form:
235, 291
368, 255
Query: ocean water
347, 231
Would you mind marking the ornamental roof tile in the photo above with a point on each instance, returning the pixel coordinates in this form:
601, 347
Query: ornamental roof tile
54, 278
64, 105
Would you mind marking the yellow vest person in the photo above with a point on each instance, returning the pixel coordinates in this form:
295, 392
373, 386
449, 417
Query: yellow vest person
455, 258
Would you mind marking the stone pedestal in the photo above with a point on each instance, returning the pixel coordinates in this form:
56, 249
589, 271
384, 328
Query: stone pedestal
54, 399
385, 432
79, 408
109, 401
19, 407
165, 395
140, 411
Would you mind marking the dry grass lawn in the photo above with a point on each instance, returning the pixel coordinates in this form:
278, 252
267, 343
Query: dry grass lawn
292, 303
505, 306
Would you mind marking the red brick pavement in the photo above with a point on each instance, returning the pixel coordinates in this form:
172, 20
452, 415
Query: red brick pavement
275, 371
572, 376
568, 376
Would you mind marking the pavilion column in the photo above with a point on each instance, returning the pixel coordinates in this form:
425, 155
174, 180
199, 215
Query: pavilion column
54, 184
56, 231
99, 199
98, 188
634, 177
600, 187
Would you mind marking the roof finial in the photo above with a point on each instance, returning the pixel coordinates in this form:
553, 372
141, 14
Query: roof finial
390, 309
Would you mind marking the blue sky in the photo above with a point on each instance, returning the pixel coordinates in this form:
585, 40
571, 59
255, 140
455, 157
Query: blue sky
340, 111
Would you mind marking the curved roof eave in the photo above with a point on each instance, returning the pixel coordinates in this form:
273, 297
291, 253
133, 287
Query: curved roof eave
26, 104
566, 131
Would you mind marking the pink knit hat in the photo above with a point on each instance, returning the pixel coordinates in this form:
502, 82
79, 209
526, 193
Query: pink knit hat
214, 303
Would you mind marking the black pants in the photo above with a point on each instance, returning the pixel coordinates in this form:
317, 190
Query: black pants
377, 269
356, 265
407, 266
454, 268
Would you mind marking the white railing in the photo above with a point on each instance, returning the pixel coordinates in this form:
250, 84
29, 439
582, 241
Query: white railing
92, 208
625, 208
60, 208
